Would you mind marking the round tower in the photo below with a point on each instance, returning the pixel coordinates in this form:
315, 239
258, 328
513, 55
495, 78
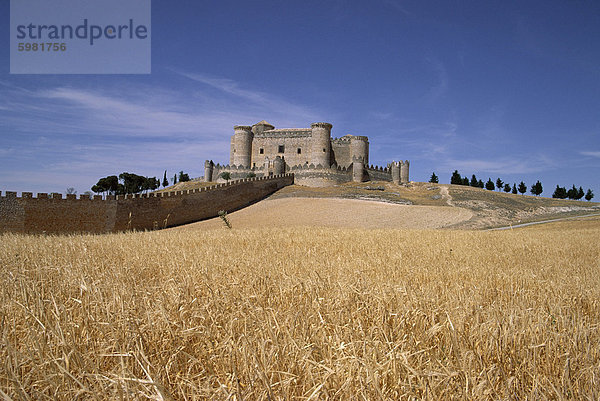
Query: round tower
395, 172
359, 147
278, 166
358, 169
242, 144
209, 167
404, 171
321, 144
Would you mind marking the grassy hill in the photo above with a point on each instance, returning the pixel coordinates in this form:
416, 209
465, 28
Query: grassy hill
489, 208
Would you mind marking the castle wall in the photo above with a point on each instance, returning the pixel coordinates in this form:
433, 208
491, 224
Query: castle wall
341, 152
54, 215
270, 145
378, 174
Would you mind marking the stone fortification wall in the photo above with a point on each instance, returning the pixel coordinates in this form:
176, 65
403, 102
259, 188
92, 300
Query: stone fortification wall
374, 173
342, 152
296, 146
53, 214
319, 176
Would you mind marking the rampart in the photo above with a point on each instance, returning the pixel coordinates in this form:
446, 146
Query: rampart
54, 214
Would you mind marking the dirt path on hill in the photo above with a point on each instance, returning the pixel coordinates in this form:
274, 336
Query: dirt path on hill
339, 213
446, 195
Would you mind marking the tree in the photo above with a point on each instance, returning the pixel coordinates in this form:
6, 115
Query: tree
456, 179
474, 181
560, 193
175, 179
537, 189
89, 194
165, 182
465, 181
580, 193
499, 184
507, 187
434, 178
589, 195
226, 176
250, 175
514, 188
132, 183
150, 184
522, 188
183, 177
480, 184
489, 185
108, 185
572, 193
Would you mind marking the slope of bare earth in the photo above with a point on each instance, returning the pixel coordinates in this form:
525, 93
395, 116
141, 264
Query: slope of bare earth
495, 209
387, 205
338, 213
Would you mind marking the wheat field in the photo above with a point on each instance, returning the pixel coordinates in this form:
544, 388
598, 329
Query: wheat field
301, 314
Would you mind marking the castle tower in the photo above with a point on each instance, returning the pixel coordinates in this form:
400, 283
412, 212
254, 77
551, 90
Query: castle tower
278, 166
404, 171
209, 167
321, 144
395, 172
358, 169
242, 143
261, 127
359, 147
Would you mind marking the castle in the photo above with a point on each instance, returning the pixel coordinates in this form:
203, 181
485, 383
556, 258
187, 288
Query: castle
310, 154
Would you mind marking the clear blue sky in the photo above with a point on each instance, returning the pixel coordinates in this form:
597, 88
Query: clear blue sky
507, 89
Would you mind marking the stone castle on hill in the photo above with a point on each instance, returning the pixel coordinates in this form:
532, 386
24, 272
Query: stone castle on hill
310, 154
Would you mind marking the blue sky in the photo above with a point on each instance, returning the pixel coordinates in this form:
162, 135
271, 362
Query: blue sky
507, 89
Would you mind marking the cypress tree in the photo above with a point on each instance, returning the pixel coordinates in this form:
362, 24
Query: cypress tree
589, 195
474, 182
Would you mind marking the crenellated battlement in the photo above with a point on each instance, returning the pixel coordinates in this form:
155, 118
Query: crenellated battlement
51, 213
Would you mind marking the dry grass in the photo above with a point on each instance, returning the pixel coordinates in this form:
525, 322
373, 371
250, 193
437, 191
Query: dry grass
301, 314
336, 213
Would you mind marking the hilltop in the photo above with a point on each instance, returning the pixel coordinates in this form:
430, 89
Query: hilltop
387, 205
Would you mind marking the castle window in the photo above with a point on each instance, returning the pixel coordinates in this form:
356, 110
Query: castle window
261, 151
281, 149
299, 151
324, 150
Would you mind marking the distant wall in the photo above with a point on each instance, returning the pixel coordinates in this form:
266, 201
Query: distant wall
53, 214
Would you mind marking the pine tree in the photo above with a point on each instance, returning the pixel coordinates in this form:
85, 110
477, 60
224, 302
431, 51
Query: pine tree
456, 179
560, 193
572, 193
474, 181
465, 181
434, 178
499, 184
165, 182
580, 193
507, 187
514, 188
537, 189
480, 184
589, 195
489, 185
522, 188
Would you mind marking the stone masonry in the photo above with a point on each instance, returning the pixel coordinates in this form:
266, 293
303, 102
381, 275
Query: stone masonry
310, 153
